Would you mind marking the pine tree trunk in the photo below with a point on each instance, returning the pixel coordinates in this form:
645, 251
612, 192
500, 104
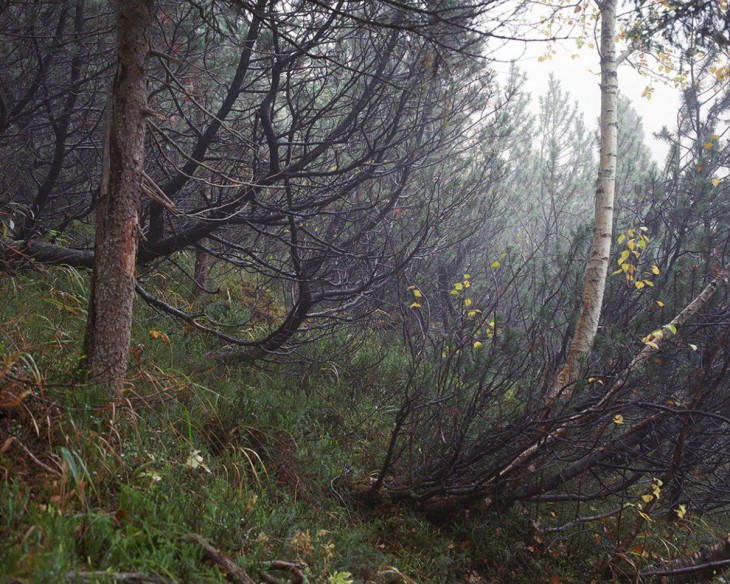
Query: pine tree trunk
109, 324
597, 267
200, 275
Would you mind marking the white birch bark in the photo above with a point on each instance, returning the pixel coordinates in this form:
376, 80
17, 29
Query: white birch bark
597, 268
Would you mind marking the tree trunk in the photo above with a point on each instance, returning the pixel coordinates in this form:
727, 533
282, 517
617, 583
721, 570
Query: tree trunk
597, 267
109, 324
200, 275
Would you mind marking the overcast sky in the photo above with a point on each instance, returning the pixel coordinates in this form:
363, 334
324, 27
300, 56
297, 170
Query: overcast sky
581, 76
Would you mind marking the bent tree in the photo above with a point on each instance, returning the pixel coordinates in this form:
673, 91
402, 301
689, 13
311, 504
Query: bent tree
594, 284
109, 324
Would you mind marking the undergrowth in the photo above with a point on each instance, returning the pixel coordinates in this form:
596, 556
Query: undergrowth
258, 461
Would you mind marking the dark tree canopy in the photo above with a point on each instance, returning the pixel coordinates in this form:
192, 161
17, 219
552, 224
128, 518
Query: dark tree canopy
294, 141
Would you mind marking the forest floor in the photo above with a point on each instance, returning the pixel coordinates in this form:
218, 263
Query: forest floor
259, 462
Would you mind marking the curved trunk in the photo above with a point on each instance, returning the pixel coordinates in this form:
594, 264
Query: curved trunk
597, 267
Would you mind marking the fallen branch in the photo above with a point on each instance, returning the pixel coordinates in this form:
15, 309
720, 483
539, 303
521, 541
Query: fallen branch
233, 572
44, 466
295, 569
116, 577
710, 568
703, 564
646, 352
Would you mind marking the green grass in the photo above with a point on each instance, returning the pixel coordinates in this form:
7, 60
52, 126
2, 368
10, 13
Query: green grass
244, 457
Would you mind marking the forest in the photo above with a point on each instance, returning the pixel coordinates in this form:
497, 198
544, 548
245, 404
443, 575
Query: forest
318, 291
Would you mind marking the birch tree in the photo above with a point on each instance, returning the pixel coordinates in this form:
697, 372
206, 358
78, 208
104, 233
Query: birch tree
597, 267
641, 36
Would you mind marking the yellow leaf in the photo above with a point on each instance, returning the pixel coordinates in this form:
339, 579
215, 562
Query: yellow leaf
622, 238
645, 516
647, 498
681, 511
478, 344
467, 283
708, 145
655, 270
458, 286
714, 137
495, 264
159, 335
417, 293
415, 305
618, 419
467, 302
715, 181
639, 284
466, 276
660, 304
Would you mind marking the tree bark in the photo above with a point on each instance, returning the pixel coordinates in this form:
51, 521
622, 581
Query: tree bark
201, 273
109, 323
597, 267
701, 566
